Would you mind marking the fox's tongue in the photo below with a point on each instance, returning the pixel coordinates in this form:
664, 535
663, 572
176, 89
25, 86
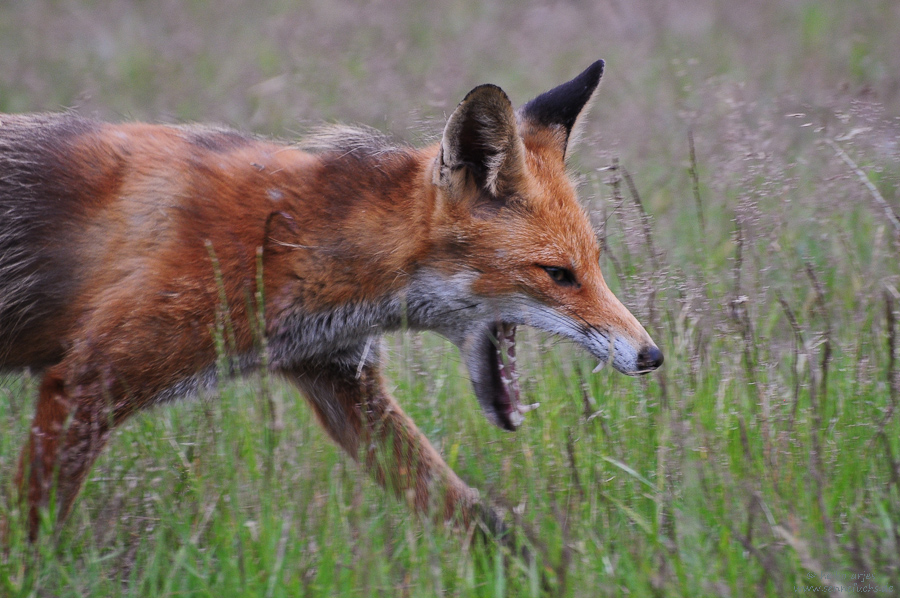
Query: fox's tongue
494, 377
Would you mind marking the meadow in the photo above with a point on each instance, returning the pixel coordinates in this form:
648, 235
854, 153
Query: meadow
742, 167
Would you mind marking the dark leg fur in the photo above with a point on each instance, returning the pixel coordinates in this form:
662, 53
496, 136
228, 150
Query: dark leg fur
65, 441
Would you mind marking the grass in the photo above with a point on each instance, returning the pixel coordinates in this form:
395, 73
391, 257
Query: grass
763, 459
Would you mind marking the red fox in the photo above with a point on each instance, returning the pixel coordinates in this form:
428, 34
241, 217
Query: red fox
125, 247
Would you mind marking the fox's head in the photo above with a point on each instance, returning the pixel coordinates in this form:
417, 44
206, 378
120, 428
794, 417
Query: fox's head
511, 245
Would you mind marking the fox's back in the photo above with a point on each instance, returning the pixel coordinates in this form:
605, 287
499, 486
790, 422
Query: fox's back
88, 208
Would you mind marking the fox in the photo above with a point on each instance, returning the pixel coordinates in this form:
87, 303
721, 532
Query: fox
133, 256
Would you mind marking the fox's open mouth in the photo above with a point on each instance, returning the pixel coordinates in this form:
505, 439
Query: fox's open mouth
492, 365
489, 349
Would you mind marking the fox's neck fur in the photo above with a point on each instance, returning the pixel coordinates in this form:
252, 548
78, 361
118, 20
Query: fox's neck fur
380, 229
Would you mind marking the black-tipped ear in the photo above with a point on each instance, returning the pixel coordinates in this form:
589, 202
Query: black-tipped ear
481, 140
561, 105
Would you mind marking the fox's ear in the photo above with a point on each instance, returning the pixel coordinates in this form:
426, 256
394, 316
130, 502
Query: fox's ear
560, 107
481, 140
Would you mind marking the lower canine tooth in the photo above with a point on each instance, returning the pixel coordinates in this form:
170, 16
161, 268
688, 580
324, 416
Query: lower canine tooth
527, 408
600, 366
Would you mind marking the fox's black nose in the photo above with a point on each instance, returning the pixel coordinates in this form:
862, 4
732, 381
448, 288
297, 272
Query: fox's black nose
649, 358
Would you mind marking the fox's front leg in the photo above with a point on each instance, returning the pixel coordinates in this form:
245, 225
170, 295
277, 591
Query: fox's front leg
356, 410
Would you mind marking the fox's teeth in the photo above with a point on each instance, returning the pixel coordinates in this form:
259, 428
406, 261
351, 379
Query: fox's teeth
527, 408
610, 356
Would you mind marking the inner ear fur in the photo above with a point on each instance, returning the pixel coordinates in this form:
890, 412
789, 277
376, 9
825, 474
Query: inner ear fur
481, 141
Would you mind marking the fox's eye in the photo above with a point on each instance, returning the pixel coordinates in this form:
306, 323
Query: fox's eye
561, 276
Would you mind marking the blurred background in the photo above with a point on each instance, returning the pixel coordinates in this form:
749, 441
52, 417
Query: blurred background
741, 165
273, 66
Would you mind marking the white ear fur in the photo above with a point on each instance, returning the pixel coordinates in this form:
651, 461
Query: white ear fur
577, 130
481, 140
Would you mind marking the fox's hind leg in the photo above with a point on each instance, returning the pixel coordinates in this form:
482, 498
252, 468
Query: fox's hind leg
66, 437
